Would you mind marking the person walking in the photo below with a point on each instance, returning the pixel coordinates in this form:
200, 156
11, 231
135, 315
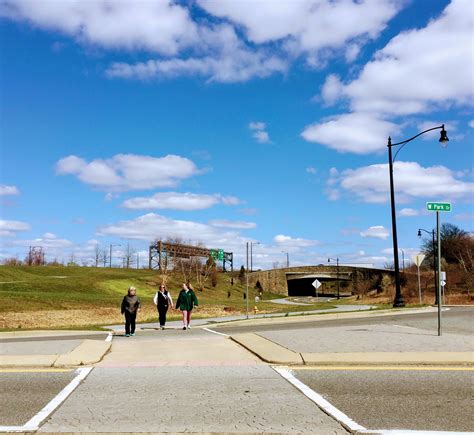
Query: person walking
187, 300
131, 304
163, 301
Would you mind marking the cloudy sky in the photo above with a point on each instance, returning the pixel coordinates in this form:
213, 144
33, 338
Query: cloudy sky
223, 122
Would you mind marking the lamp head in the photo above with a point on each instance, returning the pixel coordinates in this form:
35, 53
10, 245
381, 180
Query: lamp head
329, 260
444, 137
419, 233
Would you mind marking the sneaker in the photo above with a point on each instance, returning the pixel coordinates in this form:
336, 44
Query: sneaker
132, 334
127, 335
184, 328
189, 326
162, 328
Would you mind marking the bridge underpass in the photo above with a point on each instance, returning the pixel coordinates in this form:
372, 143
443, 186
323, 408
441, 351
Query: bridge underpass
302, 284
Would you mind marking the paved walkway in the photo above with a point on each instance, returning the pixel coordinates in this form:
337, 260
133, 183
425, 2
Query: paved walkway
383, 343
146, 381
213, 320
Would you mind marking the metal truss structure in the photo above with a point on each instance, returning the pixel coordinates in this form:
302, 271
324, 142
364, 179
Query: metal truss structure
162, 253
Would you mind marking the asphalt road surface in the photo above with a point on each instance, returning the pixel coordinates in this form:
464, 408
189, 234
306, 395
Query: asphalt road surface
24, 393
422, 399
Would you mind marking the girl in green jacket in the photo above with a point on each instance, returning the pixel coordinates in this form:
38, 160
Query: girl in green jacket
186, 301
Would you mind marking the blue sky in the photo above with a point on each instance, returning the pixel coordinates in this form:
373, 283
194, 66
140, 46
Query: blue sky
221, 122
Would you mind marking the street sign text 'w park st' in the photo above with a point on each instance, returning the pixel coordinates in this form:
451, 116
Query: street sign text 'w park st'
438, 206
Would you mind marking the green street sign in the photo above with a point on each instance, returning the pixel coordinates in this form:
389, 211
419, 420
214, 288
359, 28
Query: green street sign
220, 254
214, 254
438, 206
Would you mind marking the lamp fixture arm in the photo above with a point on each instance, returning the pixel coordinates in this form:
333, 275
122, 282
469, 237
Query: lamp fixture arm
404, 142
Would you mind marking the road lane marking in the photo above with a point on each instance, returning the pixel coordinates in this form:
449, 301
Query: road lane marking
215, 332
109, 337
51, 370
60, 398
34, 423
327, 407
383, 368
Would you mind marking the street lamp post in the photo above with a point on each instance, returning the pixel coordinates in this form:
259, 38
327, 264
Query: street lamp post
399, 302
432, 232
337, 272
287, 258
110, 255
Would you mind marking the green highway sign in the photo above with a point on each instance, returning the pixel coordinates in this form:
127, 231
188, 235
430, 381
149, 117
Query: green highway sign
438, 206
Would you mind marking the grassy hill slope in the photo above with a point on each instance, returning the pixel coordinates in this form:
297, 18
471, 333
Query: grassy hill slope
55, 296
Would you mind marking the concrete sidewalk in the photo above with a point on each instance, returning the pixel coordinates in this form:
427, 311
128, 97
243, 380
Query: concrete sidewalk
381, 344
339, 345
52, 348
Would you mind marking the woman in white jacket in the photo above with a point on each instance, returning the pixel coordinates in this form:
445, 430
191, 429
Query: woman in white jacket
163, 301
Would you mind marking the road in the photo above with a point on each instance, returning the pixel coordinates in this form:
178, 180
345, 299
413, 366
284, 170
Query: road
421, 399
144, 383
175, 381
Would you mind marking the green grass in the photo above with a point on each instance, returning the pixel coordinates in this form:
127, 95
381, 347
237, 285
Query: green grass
43, 288
58, 288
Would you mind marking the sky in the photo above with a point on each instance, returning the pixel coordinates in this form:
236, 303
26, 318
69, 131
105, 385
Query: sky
222, 123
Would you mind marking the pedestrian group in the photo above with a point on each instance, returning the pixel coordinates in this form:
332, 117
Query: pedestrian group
131, 305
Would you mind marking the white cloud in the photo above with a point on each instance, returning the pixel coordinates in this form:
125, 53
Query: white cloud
312, 28
288, 241
232, 224
435, 70
256, 125
261, 137
47, 241
358, 133
178, 201
471, 123
8, 190
238, 65
151, 226
376, 232
408, 212
371, 183
259, 132
311, 170
418, 71
307, 26
10, 228
420, 68
154, 25
332, 89
128, 171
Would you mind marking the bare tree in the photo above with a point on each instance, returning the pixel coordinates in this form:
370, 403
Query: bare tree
97, 255
204, 271
105, 257
128, 257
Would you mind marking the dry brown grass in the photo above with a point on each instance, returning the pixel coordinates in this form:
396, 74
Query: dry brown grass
74, 318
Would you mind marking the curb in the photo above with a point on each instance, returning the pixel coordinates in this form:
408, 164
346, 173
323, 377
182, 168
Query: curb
274, 353
88, 352
267, 350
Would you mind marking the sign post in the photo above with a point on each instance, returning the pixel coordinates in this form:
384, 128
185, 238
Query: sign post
439, 207
418, 259
316, 284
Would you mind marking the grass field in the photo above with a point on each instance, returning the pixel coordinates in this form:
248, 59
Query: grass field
79, 297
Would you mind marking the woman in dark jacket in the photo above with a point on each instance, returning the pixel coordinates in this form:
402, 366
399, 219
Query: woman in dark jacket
187, 300
131, 304
162, 300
